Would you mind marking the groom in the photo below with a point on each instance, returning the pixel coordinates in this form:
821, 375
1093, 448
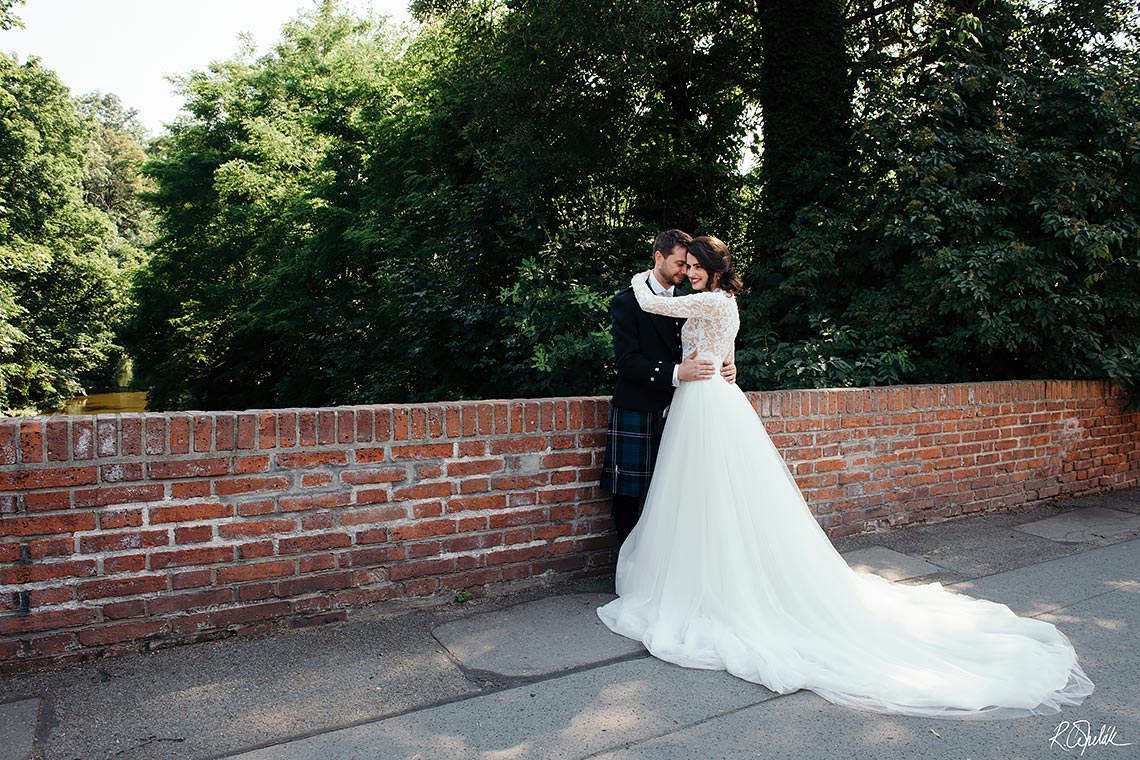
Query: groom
647, 348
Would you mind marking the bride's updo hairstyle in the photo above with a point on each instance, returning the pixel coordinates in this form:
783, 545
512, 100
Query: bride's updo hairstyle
713, 255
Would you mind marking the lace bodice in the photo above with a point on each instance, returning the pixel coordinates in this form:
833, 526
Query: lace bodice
713, 319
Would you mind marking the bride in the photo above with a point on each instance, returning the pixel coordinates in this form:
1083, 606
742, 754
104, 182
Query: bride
727, 568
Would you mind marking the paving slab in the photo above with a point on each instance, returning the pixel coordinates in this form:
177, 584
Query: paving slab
572, 716
1059, 583
196, 701
1105, 631
18, 722
892, 565
538, 638
1088, 525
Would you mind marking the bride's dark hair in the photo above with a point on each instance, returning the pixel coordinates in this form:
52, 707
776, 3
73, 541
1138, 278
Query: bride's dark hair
714, 257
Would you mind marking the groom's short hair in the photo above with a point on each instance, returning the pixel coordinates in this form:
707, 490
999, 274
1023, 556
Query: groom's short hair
670, 239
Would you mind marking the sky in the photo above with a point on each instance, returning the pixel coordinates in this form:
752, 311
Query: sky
128, 47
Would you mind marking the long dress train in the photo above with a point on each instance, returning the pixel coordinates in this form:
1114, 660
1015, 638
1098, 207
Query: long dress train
727, 569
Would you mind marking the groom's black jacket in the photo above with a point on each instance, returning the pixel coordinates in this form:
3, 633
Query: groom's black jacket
646, 346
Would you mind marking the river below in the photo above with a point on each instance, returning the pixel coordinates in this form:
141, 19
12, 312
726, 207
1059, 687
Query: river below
106, 403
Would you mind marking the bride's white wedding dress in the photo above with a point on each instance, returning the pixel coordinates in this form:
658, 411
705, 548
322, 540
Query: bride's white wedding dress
727, 569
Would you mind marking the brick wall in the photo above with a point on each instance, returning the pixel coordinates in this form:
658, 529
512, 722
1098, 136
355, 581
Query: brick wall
122, 532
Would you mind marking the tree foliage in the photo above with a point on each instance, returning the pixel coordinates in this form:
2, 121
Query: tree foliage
63, 271
916, 190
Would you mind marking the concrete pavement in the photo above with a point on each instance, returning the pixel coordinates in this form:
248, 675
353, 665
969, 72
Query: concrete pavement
537, 675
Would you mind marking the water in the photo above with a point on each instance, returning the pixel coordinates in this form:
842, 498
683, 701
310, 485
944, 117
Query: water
107, 403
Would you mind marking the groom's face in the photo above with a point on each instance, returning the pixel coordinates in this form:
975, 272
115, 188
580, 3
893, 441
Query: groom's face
672, 268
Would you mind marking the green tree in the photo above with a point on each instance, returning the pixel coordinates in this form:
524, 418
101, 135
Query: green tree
58, 284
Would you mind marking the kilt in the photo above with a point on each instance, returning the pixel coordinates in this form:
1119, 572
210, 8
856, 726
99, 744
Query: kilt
631, 451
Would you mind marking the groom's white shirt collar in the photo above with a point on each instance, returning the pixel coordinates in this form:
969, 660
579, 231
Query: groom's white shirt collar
657, 288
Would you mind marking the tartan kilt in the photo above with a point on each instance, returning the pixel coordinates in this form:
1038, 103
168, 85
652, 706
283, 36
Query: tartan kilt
631, 451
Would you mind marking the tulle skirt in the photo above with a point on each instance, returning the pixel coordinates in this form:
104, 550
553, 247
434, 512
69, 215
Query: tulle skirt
727, 569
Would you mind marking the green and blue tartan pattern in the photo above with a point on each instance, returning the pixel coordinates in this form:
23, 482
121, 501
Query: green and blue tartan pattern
631, 451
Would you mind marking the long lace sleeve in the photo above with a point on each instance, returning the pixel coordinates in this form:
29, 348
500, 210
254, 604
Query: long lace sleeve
697, 305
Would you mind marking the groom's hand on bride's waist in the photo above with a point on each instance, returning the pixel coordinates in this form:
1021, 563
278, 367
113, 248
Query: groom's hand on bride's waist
728, 372
692, 369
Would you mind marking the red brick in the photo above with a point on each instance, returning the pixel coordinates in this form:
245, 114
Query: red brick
155, 425
370, 456
121, 587
247, 465
50, 547
113, 634
423, 451
108, 436
326, 427
167, 603
110, 495
312, 501
256, 571
423, 549
512, 519
206, 555
48, 524
307, 428
424, 491
114, 542
246, 431
316, 479
83, 439
245, 529
424, 529
370, 496
373, 515
132, 443
383, 427
474, 467
128, 563
317, 521
313, 583
255, 550
567, 459
316, 563
267, 427
120, 518
519, 445
203, 432
46, 501
345, 426
9, 440
314, 543
231, 486
419, 569
364, 425
286, 429
225, 431
62, 477
481, 577
42, 621
191, 579
118, 473
239, 615
203, 510
381, 475
465, 503
17, 574
518, 482
190, 489
58, 441
511, 555
190, 468
313, 459
193, 534
260, 507
127, 609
